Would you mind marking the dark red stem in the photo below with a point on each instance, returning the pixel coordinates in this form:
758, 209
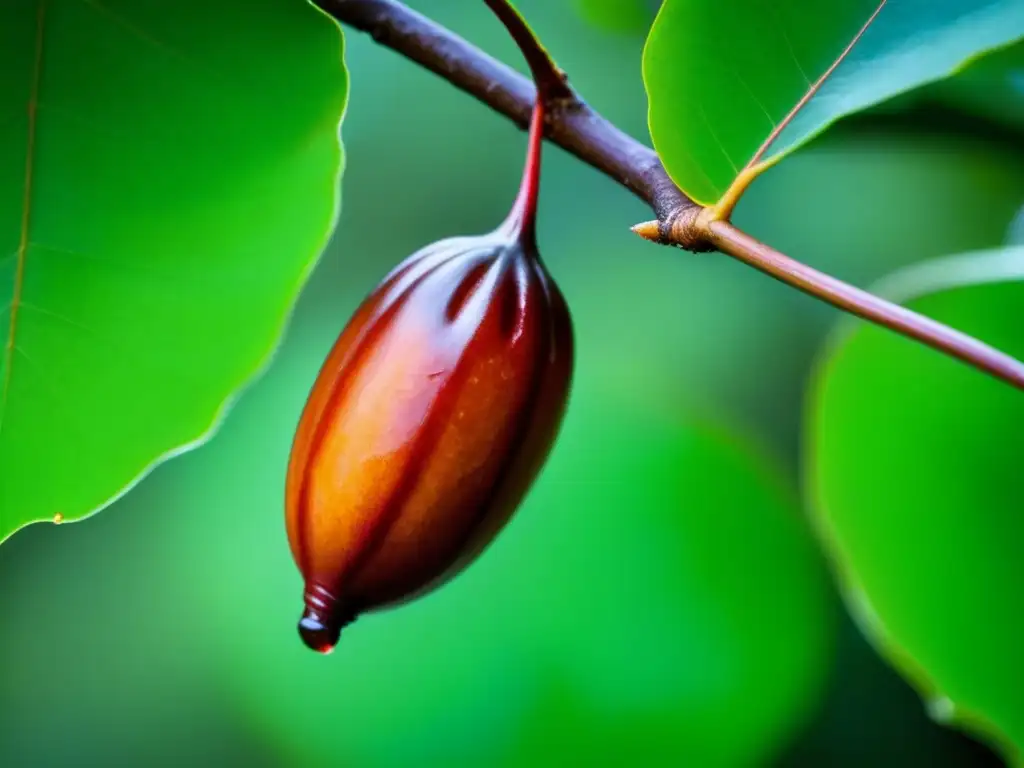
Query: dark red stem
522, 220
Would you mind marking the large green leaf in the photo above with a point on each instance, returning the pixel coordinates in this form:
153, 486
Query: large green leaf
168, 176
721, 77
914, 467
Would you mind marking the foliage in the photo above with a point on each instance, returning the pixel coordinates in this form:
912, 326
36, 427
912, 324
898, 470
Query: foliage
163, 199
919, 497
992, 86
719, 92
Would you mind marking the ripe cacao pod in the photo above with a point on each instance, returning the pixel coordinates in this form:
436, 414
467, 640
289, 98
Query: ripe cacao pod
429, 420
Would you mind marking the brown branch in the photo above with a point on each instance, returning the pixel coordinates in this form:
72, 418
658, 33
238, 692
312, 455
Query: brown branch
579, 129
550, 81
571, 123
866, 305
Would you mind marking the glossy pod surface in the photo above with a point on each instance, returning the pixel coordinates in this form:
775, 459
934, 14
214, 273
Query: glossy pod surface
428, 422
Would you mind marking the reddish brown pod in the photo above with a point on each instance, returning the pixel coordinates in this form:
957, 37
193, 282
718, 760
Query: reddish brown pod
429, 420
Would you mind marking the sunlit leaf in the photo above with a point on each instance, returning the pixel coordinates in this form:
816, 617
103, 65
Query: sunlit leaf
722, 78
168, 176
913, 462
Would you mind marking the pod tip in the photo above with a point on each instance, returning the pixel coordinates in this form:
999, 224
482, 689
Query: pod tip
323, 619
317, 635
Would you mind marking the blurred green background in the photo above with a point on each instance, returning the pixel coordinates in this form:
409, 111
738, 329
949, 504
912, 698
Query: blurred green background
658, 600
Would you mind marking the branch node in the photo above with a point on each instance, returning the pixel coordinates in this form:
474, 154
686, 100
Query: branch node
684, 227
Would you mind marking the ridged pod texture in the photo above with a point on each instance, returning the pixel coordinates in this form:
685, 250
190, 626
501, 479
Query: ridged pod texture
428, 422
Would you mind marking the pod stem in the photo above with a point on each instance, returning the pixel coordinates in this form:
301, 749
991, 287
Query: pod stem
522, 219
551, 85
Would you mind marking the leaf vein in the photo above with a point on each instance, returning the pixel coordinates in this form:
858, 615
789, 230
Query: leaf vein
774, 11
813, 89
718, 141
141, 34
26, 216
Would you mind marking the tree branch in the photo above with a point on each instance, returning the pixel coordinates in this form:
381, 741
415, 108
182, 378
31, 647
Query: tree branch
550, 81
571, 123
577, 128
865, 305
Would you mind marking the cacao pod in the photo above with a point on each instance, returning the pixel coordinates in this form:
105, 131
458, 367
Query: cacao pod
429, 420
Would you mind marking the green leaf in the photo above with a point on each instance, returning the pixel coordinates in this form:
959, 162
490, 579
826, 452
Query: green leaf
710, 667
914, 473
1016, 234
659, 569
721, 81
168, 177
992, 87
618, 15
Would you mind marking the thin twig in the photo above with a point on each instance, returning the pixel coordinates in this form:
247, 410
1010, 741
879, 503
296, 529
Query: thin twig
571, 124
866, 305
